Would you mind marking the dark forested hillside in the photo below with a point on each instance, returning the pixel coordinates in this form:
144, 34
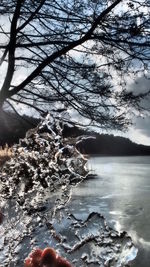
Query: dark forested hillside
13, 127
112, 145
106, 144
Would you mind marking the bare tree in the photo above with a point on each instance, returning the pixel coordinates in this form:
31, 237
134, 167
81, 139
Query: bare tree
66, 52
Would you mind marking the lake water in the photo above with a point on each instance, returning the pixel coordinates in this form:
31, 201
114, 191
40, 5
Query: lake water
121, 192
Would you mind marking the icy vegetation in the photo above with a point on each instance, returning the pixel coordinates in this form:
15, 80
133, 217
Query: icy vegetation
35, 188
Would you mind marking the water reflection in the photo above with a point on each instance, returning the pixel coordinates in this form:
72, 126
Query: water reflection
121, 192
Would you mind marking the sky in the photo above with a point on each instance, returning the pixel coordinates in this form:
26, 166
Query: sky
140, 130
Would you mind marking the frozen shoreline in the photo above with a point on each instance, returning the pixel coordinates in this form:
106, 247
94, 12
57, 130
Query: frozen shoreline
36, 187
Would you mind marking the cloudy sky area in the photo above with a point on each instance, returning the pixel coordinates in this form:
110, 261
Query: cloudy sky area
139, 132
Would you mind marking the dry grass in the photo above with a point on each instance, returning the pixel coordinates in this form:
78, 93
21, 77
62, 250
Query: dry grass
5, 154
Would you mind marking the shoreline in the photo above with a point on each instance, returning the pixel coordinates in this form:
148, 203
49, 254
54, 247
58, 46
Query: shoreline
37, 215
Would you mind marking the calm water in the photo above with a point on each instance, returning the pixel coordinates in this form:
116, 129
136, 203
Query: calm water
121, 192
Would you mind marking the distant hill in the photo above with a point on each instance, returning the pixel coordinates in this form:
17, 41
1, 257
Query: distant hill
13, 127
105, 144
112, 145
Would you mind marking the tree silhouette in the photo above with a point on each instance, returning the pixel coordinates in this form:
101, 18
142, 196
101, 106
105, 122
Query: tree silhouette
64, 53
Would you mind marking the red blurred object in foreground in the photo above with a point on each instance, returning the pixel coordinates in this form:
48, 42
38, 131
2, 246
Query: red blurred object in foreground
45, 258
61, 262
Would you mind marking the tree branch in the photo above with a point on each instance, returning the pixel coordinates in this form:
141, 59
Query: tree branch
63, 51
11, 56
